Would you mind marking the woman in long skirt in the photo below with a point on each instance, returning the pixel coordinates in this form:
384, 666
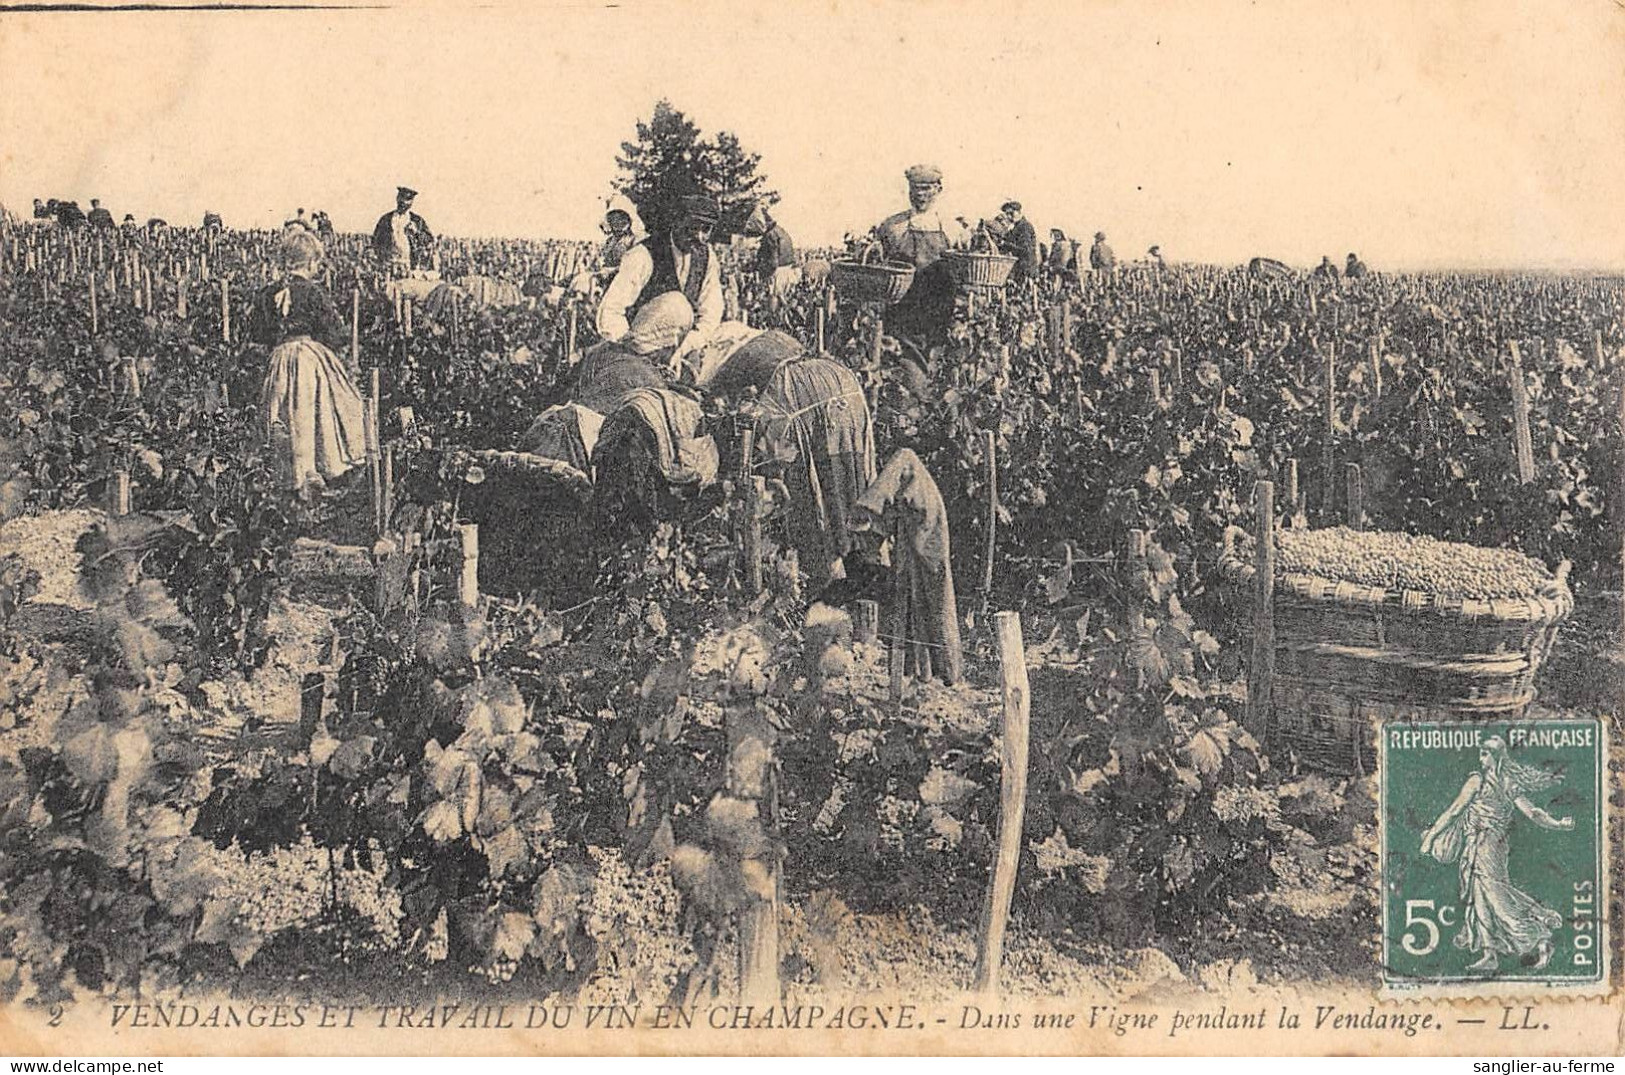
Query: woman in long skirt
311, 407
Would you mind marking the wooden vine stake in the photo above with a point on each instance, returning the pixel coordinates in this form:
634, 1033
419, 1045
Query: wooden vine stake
1355, 488
95, 314
818, 333
1520, 418
751, 746
866, 624
1328, 454
225, 310
355, 328
389, 479
119, 501
753, 491
1261, 669
369, 421
877, 340
1012, 801
1294, 496
468, 584
990, 452
180, 298
570, 340
1137, 571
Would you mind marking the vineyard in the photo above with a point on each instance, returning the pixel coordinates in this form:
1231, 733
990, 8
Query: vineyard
485, 734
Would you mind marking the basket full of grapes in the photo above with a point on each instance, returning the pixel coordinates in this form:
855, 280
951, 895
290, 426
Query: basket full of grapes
870, 278
1376, 626
985, 268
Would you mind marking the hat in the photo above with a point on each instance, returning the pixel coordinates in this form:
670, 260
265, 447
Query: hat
405, 192
1010, 207
922, 174
700, 209
1155, 249
621, 213
1100, 235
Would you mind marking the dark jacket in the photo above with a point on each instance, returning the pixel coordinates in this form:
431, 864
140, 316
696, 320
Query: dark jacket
1101, 256
1022, 241
665, 279
418, 237
1061, 256
775, 252
294, 306
101, 218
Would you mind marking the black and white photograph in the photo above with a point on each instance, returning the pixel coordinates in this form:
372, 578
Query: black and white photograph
919, 527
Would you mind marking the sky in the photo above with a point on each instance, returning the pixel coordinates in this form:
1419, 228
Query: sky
1436, 133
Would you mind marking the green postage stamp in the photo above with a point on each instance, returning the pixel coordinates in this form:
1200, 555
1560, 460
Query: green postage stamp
1493, 849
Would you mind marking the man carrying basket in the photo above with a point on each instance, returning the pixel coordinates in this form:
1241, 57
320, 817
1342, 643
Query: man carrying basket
920, 235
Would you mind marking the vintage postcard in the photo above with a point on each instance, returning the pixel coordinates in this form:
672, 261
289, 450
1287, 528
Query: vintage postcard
719, 527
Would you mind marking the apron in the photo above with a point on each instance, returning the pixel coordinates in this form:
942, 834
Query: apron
924, 315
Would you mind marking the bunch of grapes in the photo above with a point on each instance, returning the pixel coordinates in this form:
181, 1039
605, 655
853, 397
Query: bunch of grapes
290, 886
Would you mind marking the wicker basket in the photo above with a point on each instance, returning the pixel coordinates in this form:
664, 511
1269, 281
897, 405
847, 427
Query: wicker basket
865, 281
988, 268
1350, 657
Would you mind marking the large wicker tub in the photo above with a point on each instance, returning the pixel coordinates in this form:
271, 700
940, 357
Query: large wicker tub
1349, 656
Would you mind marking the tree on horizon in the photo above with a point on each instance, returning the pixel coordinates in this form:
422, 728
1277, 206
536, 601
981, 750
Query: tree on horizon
669, 159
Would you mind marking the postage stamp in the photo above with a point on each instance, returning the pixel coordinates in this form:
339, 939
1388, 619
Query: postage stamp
1493, 857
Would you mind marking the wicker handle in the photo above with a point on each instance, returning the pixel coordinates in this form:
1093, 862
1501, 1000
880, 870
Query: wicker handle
863, 255
1560, 583
986, 236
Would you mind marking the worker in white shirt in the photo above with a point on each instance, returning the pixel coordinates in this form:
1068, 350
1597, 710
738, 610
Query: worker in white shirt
401, 240
676, 260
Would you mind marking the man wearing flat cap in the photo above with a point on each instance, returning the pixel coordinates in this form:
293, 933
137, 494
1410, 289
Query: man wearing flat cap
1020, 241
402, 240
922, 233
678, 258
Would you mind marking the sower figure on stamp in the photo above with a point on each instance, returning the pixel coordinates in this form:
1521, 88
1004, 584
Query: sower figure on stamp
1498, 918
